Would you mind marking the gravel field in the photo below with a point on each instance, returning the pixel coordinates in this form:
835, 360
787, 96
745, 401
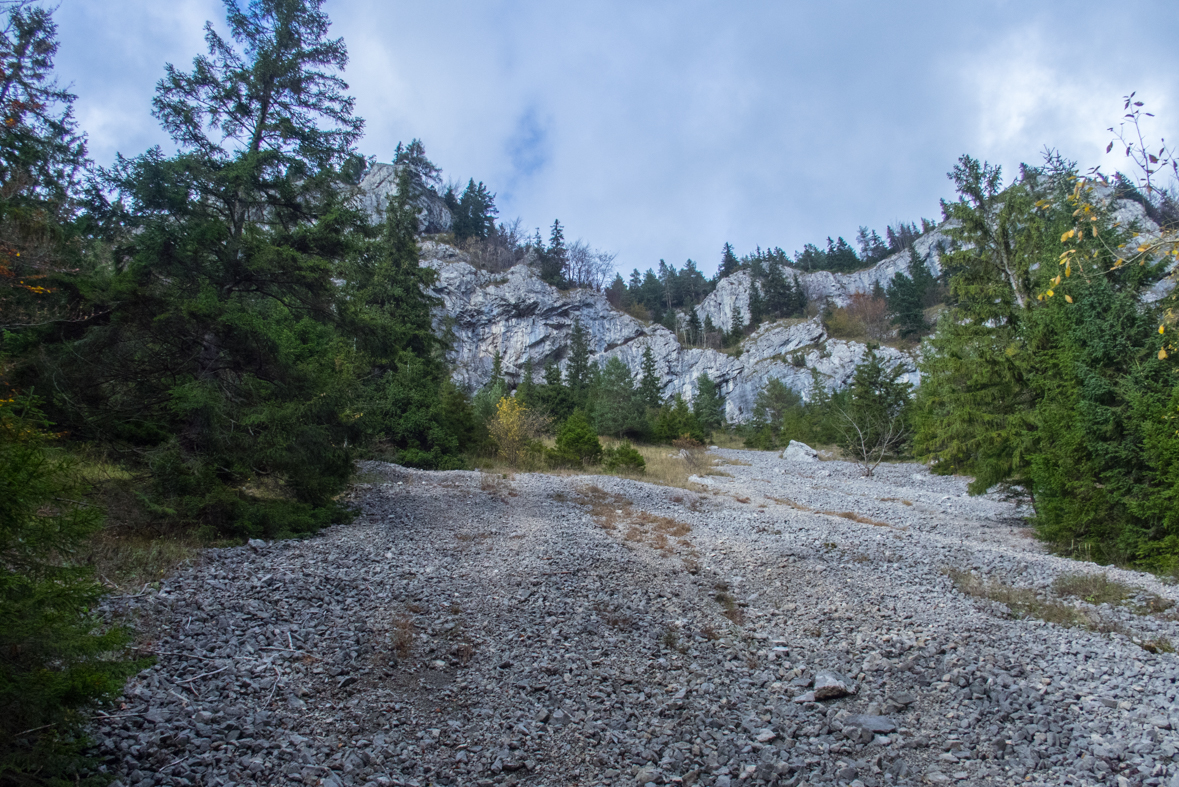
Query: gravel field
790, 623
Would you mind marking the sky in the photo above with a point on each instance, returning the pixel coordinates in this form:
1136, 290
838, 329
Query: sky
662, 130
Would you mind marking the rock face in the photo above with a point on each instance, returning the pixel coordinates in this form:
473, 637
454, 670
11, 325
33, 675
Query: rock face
519, 316
380, 184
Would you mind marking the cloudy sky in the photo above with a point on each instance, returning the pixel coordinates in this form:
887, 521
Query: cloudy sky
664, 129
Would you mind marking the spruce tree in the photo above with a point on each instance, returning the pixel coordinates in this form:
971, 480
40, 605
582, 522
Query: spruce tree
55, 656
525, 391
756, 304
650, 387
709, 405
42, 158
695, 329
577, 371
736, 325
222, 358
618, 406
729, 263
474, 213
554, 260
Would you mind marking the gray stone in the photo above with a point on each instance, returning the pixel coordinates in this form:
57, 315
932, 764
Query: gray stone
881, 725
800, 452
830, 685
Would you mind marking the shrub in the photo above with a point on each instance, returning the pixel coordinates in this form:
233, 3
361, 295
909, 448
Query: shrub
676, 419
55, 658
577, 442
514, 428
624, 457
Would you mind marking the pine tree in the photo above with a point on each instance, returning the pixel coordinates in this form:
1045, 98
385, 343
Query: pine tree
650, 387
694, 327
729, 263
474, 212
618, 406
526, 390
709, 405
222, 358
554, 259
756, 304
577, 371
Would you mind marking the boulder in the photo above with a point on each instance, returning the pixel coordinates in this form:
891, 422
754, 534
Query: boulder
800, 452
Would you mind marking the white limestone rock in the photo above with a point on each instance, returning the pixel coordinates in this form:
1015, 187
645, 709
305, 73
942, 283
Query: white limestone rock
800, 452
521, 317
379, 184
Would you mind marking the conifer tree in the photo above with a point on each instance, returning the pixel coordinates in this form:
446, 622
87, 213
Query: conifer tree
526, 390
756, 305
694, 327
555, 258
709, 405
729, 263
577, 371
618, 406
650, 388
474, 212
736, 325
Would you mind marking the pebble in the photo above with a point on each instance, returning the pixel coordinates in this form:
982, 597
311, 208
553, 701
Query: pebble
470, 629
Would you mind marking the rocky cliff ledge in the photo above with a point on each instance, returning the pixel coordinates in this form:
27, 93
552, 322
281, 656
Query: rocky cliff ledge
521, 317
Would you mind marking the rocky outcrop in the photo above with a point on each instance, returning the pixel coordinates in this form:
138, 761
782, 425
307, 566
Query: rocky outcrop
519, 316
822, 286
380, 184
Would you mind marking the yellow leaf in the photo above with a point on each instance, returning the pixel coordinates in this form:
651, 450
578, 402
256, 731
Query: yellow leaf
1142, 248
1050, 293
1068, 298
1067, 235
1162, 329
1068, 270
1094, 232
1162, 353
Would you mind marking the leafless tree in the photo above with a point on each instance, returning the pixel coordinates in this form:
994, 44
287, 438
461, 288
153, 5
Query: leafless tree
871, 436
588, 267
503, 248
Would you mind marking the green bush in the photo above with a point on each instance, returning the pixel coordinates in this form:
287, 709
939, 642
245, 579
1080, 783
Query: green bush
676, 419
55, 657
577, 443
624, 457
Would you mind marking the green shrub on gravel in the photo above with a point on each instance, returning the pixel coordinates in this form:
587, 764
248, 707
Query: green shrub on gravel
624, 457
577, 443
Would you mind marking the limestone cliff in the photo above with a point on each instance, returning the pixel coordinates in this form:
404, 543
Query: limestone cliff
521, 317
379, 184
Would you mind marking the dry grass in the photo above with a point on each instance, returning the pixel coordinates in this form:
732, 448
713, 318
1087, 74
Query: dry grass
1026, 603
729, 606
788, 502
900, 500
401, 635
853, 516
126, 560
1097, 589
604, 507
1023, 602
670, 470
